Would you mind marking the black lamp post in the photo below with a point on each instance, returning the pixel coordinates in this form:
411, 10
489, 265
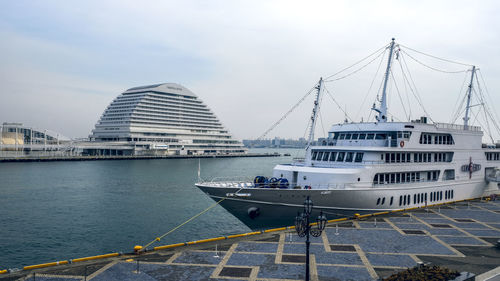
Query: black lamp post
303, 228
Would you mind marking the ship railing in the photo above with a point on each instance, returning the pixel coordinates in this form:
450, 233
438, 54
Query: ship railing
457, 127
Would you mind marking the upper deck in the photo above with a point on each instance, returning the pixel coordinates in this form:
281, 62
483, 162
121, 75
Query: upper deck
403, 134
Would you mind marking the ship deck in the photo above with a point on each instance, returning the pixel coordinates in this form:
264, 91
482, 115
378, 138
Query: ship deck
462, 236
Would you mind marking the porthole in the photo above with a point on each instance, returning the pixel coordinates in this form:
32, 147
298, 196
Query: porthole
305, 178
359, 179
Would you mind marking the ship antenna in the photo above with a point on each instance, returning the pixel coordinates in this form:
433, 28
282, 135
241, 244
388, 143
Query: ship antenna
466, 118
382, 111
314, 115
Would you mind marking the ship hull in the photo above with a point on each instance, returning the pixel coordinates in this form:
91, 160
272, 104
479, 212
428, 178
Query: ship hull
267, 207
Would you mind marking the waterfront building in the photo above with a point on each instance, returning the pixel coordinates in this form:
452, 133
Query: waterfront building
17, 139
161, 119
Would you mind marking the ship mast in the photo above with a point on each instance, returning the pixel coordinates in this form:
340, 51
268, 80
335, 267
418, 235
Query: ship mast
382, 111
466, 118
314, 115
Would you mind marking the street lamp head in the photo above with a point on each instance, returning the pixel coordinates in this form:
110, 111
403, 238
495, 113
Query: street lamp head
321, 221
308, 206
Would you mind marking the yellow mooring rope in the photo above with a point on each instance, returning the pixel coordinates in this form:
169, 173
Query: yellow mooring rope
180, 225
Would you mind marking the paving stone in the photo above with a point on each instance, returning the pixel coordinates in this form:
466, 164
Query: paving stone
391, 260
235, 271
464, 220
413, 232
343, 248
460, 240
411, 226
199, 257
293, 258
485, 232
380, 224
445, 231
250, 259
257, 247
376, 241
468, 225
441, 225
335, 273
282, 271
478, 215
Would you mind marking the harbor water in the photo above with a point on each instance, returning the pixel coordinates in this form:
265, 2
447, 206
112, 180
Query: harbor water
53, 211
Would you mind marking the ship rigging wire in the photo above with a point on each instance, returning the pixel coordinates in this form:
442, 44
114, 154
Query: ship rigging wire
432, 56
358, 62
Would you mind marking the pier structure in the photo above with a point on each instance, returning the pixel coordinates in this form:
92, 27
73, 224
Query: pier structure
462, 236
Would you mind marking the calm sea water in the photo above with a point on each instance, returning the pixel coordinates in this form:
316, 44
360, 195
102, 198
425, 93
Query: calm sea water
63, 210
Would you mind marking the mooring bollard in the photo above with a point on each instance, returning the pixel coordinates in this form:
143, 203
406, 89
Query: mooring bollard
137, 271
336, 229
375, 223
410, 219
290, 237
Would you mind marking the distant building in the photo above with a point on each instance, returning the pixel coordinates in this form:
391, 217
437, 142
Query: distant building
17, 139
276, 143
161, 119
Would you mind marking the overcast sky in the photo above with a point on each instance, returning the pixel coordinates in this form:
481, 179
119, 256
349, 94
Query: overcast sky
63, 62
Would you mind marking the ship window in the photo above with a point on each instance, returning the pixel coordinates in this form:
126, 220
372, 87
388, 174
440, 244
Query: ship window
375, 179
381, 136
404, 200
359, 157
400, 199
333, 155
320, 155
387, 158
393, 157
354, 136
325, 156
425, 197
440, 195
378, 201
383, 201
449, 175
392, 199
340, 158
393, 178
362, 136
348, 136
408, 199
398, 157
349, 157
342, 136
370, 136
452, 193
414, 198
314, 155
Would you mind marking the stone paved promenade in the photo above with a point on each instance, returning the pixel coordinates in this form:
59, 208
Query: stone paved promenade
462, 236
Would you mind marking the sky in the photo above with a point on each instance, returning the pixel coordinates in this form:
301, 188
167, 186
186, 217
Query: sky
63, 62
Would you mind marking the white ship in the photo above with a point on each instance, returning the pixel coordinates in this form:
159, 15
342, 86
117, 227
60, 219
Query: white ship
370, 167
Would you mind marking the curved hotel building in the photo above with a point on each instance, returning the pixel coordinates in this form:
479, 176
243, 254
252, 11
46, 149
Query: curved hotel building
161, 119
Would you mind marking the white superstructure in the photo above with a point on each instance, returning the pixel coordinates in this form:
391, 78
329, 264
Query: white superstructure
166, 118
